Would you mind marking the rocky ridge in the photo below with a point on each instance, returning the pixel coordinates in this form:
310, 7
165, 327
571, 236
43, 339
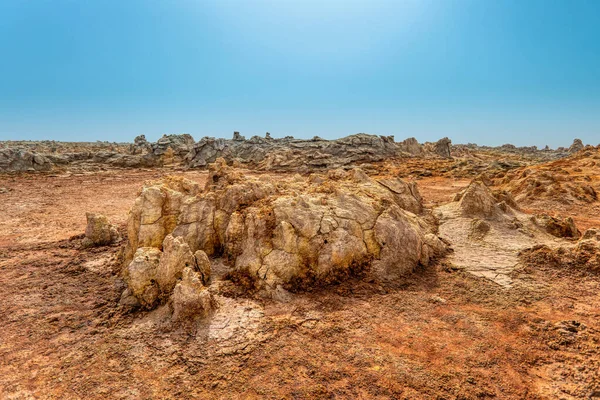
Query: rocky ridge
261, 153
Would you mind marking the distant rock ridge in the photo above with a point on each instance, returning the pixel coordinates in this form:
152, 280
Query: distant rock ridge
261, 153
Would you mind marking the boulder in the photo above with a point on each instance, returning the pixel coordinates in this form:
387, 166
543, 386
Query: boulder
190, 298
140, 276
99, 231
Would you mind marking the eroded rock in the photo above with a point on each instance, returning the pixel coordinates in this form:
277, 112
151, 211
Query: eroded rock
576, 146
19, 160
584, 255
564, 228
190, 298
140, 276
478, 201
99, 231
290, 233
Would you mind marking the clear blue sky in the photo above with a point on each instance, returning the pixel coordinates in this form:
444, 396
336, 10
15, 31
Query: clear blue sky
485, 71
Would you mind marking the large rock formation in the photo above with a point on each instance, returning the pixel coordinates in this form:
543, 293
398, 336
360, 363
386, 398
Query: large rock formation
294, 154
294, 233
173, 148
442, 148
576, 146
262, 153
18, 160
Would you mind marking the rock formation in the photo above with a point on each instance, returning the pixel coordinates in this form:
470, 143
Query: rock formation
564, 228
576, 146
443, 148
140, 145
292, 233
172, 148
99, 231
531, 186
583, 255
486, 230
411, 146
294, 154
18, 160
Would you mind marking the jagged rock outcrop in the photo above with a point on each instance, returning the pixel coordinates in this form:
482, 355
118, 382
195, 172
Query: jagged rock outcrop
294, 154
140, 145
294, 233
564, 228
442, 147
18, 160
99, 231
576, 146
411, 146
173, 148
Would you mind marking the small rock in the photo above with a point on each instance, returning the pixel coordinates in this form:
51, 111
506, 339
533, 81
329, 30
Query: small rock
99, 231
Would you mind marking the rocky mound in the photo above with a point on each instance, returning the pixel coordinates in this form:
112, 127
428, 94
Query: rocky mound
294, 233
18, 160
530, 186
479, 201
487, 230
584, 255
564, 228
567, 181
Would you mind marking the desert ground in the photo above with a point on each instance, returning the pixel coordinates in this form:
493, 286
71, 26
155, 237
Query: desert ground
457, 328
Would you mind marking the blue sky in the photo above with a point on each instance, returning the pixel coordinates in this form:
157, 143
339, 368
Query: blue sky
484, 71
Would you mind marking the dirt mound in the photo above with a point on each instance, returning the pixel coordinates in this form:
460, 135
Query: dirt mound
584, 255
295, 233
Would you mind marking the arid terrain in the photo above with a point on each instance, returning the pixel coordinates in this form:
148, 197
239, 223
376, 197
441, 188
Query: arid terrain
502, 300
